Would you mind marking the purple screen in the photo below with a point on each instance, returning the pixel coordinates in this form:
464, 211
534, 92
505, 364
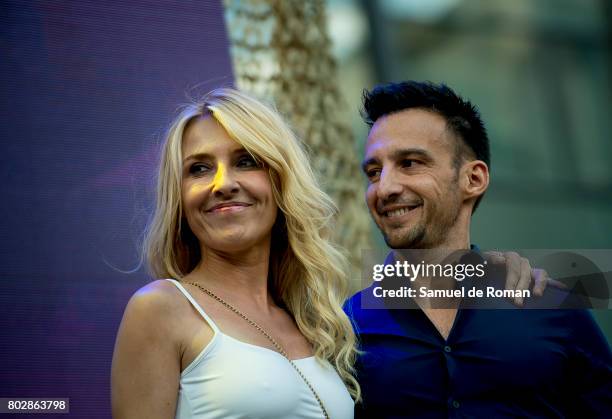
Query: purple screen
88, 88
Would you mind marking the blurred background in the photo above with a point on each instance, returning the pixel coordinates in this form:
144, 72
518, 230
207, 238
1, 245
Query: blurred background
88, 88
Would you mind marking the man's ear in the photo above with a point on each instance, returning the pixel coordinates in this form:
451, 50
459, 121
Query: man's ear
474, 179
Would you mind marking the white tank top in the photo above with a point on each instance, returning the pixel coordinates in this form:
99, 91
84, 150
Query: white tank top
234, 379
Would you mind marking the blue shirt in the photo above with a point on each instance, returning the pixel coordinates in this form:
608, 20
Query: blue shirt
494, 364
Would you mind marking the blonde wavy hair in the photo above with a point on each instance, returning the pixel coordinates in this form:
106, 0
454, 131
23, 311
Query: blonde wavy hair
307, 271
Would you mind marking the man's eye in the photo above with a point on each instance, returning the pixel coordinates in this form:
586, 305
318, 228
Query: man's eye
372, 173
198, 169
408, 162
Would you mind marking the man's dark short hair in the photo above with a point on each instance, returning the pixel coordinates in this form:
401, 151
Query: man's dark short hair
462, 117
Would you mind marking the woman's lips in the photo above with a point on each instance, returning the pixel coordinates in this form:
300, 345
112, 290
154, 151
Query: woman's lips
228, 208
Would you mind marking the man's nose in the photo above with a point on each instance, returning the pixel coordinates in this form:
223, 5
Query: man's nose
388, 185
224, 181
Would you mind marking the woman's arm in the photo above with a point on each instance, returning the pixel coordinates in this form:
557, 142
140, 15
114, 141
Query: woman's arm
146, 362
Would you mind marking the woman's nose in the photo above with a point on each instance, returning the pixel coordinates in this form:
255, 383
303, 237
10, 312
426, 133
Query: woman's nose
224, 181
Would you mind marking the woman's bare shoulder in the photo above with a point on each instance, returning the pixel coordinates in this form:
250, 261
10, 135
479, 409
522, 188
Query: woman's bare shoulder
145, 382
158, 292
158, 301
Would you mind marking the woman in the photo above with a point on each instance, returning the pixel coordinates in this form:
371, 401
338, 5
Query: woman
252, 325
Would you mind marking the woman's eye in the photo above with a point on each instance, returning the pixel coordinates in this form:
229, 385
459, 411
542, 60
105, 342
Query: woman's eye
247, 161
198, 169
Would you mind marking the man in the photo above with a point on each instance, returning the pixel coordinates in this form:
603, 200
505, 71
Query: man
427, 164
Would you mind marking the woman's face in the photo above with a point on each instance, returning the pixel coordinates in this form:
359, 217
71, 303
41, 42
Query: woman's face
227, 197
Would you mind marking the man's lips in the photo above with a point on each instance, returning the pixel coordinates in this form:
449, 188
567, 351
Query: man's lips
228, 207
391, 211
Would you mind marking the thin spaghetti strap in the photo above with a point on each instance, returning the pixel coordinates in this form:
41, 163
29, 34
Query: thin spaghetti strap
195, 304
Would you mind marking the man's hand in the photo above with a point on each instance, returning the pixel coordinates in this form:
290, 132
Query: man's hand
520, 275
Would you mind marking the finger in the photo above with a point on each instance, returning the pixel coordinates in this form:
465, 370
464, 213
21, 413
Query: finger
525, 275
495, 258
513, 270
557, 284
524, 281
540, 281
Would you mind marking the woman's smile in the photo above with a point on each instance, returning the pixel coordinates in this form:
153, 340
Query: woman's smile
228, 208
227, 195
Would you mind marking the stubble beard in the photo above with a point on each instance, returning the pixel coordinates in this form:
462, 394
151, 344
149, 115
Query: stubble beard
410, 240
430, 232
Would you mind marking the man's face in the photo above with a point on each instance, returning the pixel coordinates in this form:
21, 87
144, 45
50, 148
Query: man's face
413, 193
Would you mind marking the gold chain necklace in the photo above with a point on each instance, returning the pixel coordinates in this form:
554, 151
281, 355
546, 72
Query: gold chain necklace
267, 335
